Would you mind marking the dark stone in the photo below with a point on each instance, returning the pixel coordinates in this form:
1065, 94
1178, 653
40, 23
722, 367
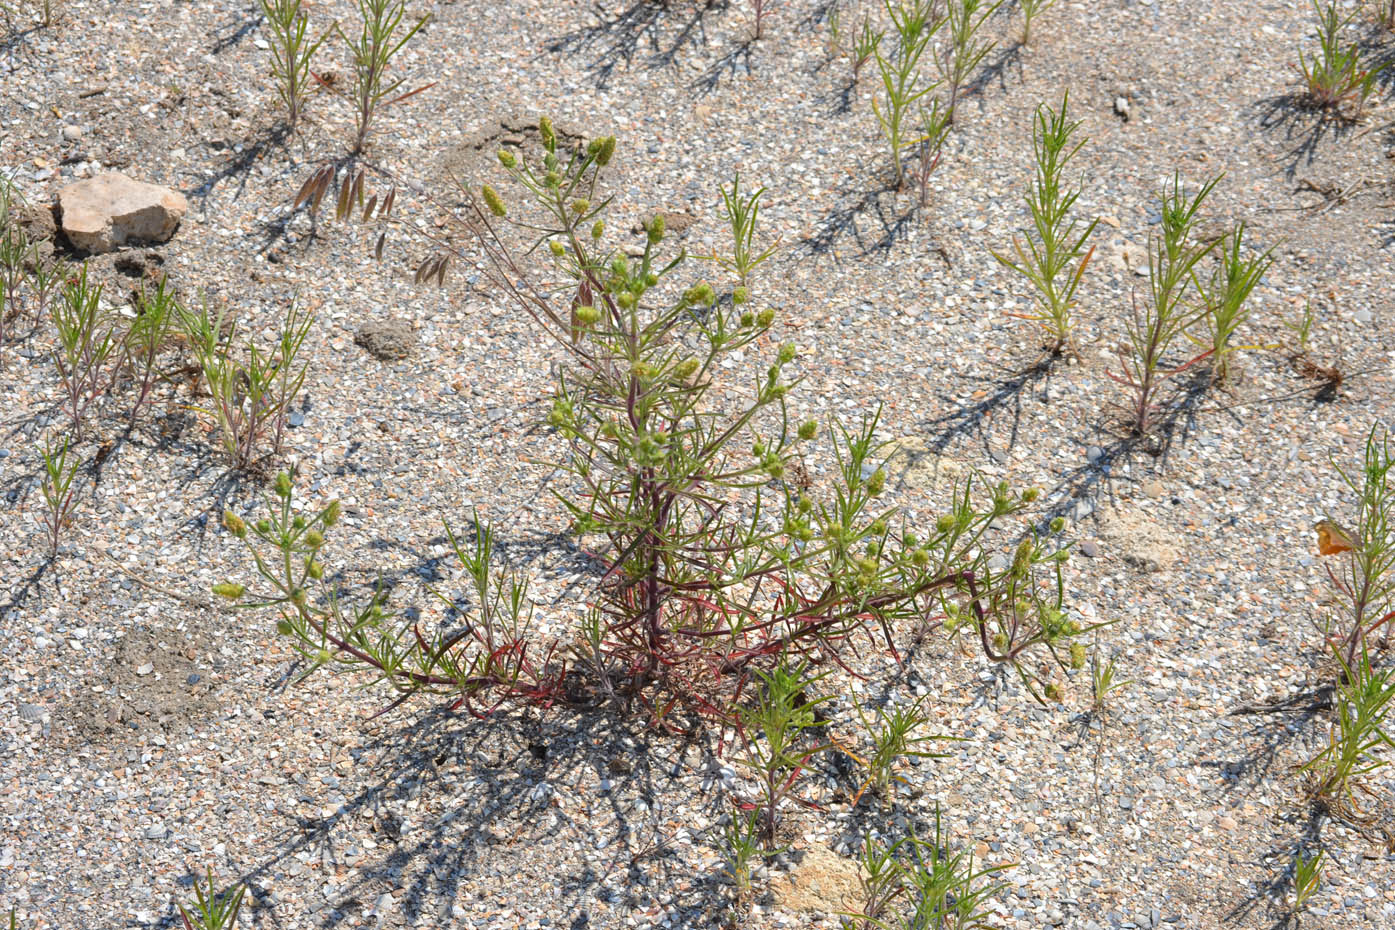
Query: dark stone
387, 340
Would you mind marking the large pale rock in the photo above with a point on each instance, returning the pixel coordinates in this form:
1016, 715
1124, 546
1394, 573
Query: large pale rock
1141, 543
112, 210
821, 882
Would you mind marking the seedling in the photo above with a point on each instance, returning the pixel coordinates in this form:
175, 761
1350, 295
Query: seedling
86, 343
1170, 311
742, 211
1227, 300
1103, 683
740, 846
1365, 580
1358, 740
1030, 10
1307, 879
380, 38
213, 911
915, 884
965, 47
1338, 72
157, 314
761, 9
1055, 256
251, 400
59, 494
945, 888
1302, 327
915, 25
291, 53
934, 129
773, 732
894, 737
865, 44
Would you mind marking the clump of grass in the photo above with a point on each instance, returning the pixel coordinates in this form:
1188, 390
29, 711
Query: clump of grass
1170, 309
292, 51
381, 36
1055, 256
249, 400
60, 497
1227, 299
1338, 71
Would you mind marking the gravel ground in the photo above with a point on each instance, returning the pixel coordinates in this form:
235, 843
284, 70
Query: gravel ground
149, 734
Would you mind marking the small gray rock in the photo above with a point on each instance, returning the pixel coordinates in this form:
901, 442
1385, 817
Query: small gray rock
387, 340
157, 832
32, 713
1089, 548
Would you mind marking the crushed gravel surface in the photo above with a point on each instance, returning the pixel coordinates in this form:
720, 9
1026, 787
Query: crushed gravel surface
148, 733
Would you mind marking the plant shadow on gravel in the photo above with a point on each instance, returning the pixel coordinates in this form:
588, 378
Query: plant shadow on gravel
1006, 61
856, 202
1292, 115
240, 166
1273, 894
1092, 480
244, 23
1004, 390
730, 64
503, 779
616, 39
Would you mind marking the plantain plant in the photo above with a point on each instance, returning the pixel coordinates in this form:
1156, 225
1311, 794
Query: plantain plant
1055, 256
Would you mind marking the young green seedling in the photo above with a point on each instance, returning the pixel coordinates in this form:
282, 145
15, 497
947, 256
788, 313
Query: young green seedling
1055, 255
